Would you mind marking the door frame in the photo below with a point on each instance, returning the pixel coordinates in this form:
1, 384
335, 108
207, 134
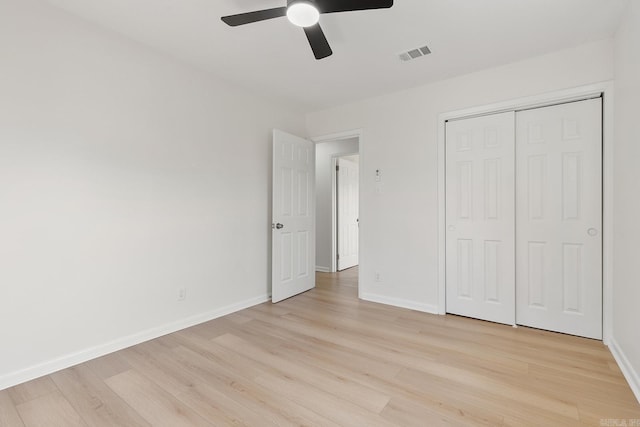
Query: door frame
355, 133
602, 89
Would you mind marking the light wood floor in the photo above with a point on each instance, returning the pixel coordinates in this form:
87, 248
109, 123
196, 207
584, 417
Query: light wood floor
327, 359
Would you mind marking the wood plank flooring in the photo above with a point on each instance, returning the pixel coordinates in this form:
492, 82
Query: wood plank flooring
325, 358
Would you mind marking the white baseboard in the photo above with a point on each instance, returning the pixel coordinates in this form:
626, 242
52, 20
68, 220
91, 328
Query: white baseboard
632, 377
323, 269
49, 367
397, 302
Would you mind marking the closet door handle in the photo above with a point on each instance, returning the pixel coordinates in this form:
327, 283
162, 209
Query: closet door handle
593, 232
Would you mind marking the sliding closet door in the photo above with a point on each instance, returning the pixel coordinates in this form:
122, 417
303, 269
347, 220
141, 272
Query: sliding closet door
559, 218
480, 217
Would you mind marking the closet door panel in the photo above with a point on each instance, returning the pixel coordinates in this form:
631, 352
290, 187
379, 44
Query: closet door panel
480, 275
559, 218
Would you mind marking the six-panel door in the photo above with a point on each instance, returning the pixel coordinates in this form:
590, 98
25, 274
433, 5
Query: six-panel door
559, 218
293, 244
480, 261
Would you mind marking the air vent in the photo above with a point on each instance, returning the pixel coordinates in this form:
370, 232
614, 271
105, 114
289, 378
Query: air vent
415, 54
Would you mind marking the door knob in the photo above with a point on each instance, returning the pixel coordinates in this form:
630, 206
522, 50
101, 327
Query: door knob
592, 232
277, 226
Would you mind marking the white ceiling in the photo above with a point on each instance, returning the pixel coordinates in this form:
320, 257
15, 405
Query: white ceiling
273, 58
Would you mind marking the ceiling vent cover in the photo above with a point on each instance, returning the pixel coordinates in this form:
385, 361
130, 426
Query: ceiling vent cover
415, 53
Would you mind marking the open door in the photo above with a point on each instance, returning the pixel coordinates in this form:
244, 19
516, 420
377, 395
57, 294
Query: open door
293, 221
347, 185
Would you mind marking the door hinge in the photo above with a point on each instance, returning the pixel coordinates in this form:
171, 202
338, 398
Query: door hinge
338, 256
337, 168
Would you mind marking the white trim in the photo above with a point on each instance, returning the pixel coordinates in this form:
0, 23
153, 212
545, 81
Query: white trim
630, 374
334, 215
607, 212
574, 94
356, 133
321, 269
51, 366
398, 302
442, 216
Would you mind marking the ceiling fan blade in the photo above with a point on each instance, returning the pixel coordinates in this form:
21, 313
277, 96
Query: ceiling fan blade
331, 6
249, 17
318, 41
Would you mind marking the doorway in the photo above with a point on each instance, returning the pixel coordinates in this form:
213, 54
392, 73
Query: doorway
330, 152
347, 211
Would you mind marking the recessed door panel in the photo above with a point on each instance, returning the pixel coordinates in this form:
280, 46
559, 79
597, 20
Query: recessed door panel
286, 257
536, 275
303, 193
492, 271
572, 280
492, 189
465, 268
303, 254
571, 180
537, 173
465, 189
286, 180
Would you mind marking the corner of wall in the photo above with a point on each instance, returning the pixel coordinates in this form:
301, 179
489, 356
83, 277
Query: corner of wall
626, 367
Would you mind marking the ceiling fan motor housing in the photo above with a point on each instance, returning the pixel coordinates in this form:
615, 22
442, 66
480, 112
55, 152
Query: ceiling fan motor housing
311, 2
303, 13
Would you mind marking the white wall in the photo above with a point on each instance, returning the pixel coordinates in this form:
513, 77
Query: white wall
124, 176
325, 152
399, 225
626, 258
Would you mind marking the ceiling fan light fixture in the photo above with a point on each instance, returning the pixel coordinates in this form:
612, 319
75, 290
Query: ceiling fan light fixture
303, 13
306, 14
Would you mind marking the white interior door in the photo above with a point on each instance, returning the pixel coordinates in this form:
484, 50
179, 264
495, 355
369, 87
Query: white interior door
559, 218
293, 244
348, 213
480, 205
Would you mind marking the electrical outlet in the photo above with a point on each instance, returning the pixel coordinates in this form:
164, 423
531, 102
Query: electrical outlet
182, 294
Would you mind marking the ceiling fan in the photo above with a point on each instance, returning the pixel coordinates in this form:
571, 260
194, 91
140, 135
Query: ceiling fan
306, 14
